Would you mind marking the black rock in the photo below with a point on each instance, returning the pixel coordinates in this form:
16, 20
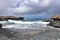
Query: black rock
1, 26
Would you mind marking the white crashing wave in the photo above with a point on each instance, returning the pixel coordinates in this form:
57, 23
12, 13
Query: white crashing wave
26, 24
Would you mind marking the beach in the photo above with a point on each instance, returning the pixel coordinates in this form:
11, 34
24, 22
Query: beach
34, 34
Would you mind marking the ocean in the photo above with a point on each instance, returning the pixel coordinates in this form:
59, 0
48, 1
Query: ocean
24, 24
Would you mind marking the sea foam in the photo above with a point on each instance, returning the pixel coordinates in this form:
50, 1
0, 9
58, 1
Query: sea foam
26, 24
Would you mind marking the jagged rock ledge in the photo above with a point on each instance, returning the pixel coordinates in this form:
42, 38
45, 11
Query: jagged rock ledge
2, 18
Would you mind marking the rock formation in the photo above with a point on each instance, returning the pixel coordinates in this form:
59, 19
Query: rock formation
56, 21
2, 18
6, 18
56, 18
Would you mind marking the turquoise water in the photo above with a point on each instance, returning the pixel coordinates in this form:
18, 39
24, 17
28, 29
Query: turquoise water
36, 19
33, 19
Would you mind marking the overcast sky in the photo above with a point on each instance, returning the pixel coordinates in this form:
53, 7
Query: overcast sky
29, 7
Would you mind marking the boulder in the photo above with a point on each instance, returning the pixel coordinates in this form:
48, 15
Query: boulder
56, 17
55, 24
2, 18
1, 26
56, 21
20, 18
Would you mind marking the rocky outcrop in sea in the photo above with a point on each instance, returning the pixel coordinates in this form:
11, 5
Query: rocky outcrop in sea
2, 18
55, 21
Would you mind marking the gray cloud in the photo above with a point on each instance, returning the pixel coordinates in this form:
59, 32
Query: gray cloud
5, 4
33, 6
24, 7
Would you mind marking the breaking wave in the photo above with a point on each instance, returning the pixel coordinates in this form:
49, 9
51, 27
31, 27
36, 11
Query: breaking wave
25, 24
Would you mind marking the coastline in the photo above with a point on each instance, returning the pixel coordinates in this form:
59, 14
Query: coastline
41, 33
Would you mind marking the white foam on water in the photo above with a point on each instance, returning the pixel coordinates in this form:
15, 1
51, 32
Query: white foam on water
3, 21
26, 24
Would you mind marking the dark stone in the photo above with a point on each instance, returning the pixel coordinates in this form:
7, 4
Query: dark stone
48, 20
55, 24
1, 26
20, 18
50, 24
2, 18
56, 21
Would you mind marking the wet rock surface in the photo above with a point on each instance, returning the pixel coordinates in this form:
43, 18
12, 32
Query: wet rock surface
48, 34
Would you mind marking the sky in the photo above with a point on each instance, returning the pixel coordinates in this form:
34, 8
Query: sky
30, 8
